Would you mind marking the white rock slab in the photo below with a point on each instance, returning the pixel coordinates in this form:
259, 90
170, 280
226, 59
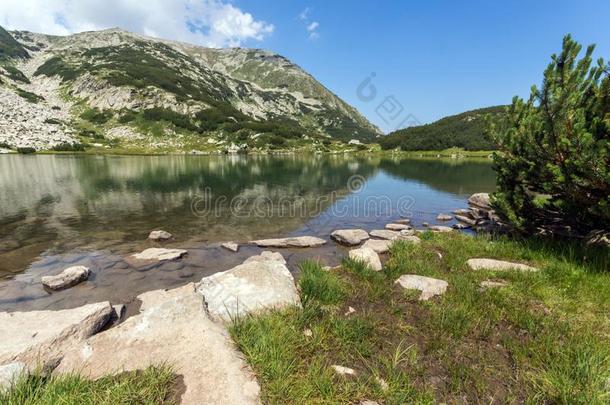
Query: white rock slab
500, 265
159, 254
250, 287
428, 286
266, 255
67, 278
384, 234
350, 237
343, 371
367, 256
159, 235
38, 337
444, 217
174, 328
440, 228
296, 241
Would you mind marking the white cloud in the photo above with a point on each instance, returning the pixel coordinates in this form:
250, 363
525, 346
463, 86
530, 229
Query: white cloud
205, 22
312, 26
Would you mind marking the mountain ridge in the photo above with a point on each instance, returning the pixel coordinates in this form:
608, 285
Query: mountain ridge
151, 88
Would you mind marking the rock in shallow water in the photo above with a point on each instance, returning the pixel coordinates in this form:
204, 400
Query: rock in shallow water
67, 278
428, 286
232, 246
159, 235
296, 241
444, 217
350, 237
367, 256
159, 254
397, 227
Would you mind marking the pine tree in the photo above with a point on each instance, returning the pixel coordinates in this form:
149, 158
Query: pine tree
553, 162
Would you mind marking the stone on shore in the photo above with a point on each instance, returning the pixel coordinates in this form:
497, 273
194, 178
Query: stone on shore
252, 286
159, 235
410, 238
459, 226
10, 372
232, 246
341, 370
172, 327
384, 234
444, 217
480, 200
159, 254
367, 256
428, 286
499, 265
38, 338
266, 255
378, 245
296, 241
67, 278
397, 227
440, 228
466, 220
493, 284
350, 237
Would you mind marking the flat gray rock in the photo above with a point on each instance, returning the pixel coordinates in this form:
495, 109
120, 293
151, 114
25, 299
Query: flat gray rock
378, 245
252, 286
397, 227
296, 241
350, 237
40, 337
159, 254
266, 255
159, 235
67, 278
500, 265
440, 228
466, 220
405, 221
367, 256
384, 234
428, 286
172, 327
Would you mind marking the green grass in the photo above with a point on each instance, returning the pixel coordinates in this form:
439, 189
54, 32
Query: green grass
544, 338
154, 385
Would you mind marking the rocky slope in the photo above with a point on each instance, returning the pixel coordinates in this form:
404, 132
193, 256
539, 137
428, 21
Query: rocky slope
113, 88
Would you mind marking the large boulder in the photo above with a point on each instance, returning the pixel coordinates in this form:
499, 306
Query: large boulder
428, 286
67, 278
258, 283
350, 237
499, 265
296, 241
367, 256
172, 327
40, 337
480, 200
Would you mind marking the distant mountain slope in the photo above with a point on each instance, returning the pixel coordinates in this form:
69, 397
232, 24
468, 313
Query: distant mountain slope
465, 130
9, 47
126, 88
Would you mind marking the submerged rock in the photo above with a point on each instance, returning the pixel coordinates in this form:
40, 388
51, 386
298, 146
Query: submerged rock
296, 241
444, 217
232, 246
258, 283
67, 278
367, 256
159, 254
172, 327
428, 286
159, 235
500, 265
350, 237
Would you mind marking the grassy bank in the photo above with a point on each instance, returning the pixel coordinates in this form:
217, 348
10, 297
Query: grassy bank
155, 385
543, 338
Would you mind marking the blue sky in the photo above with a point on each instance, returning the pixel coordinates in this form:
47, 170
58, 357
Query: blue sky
430, 59
437, 58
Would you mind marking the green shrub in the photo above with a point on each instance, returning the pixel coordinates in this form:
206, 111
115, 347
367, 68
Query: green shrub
96, 116
31, 97
69, 147
557, 145
54, 121
26, 150
16, 74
